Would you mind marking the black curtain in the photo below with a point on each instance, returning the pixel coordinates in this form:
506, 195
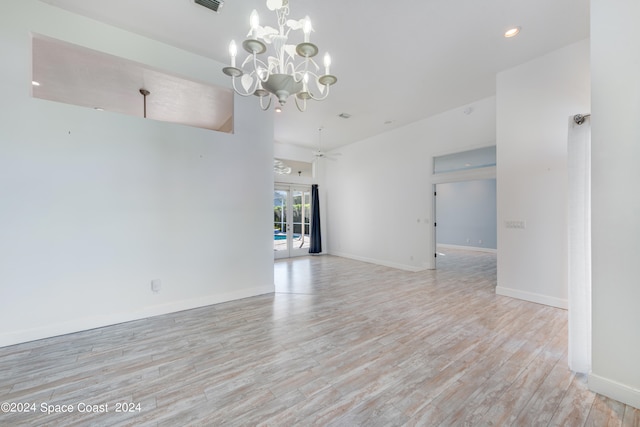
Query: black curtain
316, 240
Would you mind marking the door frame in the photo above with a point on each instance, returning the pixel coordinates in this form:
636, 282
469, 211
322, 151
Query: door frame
450, 177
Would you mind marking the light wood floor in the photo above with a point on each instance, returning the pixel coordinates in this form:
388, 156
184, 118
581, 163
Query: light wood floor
341, 343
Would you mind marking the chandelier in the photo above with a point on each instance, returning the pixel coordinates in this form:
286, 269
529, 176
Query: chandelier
289, 69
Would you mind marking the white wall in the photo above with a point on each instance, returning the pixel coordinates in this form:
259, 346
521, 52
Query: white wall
379, 191
534, 102
293, 152
94, 205
466, 214
615, 66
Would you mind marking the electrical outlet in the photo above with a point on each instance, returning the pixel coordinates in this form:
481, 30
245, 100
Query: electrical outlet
156, 285
515, 224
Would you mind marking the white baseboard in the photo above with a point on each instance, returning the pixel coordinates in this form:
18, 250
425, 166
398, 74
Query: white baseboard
467, 248
84, 324
533, 297
405, 267
615, 390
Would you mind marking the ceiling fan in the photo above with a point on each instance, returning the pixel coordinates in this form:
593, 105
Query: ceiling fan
319, 153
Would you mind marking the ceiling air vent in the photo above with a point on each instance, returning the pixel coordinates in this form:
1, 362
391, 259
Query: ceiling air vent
214, 5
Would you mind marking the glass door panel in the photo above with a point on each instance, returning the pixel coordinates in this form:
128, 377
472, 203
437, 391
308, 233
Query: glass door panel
291, 221
300, 221
280, 208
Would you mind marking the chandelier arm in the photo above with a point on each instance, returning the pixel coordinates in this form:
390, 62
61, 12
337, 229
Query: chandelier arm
313, 76
235, 89
251, 57
320, 98
292, 70
305, 64
247, 59
247, 93
306, 67
304, 105
257, 61
262, 104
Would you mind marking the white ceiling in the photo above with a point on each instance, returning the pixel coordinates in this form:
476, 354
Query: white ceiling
396, 62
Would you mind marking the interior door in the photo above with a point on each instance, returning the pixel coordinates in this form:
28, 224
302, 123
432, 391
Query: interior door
291, 220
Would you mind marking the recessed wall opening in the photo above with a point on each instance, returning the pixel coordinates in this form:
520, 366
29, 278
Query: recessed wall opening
286, 169
72, 74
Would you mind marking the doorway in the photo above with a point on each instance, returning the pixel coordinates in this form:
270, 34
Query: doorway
465, 216
291, 220
464, 202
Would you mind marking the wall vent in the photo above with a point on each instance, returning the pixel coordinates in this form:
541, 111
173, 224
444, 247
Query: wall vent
214, 5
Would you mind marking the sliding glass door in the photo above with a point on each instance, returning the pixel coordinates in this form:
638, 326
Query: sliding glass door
291, 220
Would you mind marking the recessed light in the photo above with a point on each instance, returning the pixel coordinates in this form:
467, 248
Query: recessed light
98, 108
344, 115
35, 83
512, 32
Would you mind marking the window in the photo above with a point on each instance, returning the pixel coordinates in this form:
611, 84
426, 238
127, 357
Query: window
465, 160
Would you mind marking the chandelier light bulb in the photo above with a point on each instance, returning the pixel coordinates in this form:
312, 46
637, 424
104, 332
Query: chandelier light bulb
327, 63
307, 28
233, 51
254, 21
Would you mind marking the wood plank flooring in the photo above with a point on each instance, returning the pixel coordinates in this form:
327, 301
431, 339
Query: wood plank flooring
340, 343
